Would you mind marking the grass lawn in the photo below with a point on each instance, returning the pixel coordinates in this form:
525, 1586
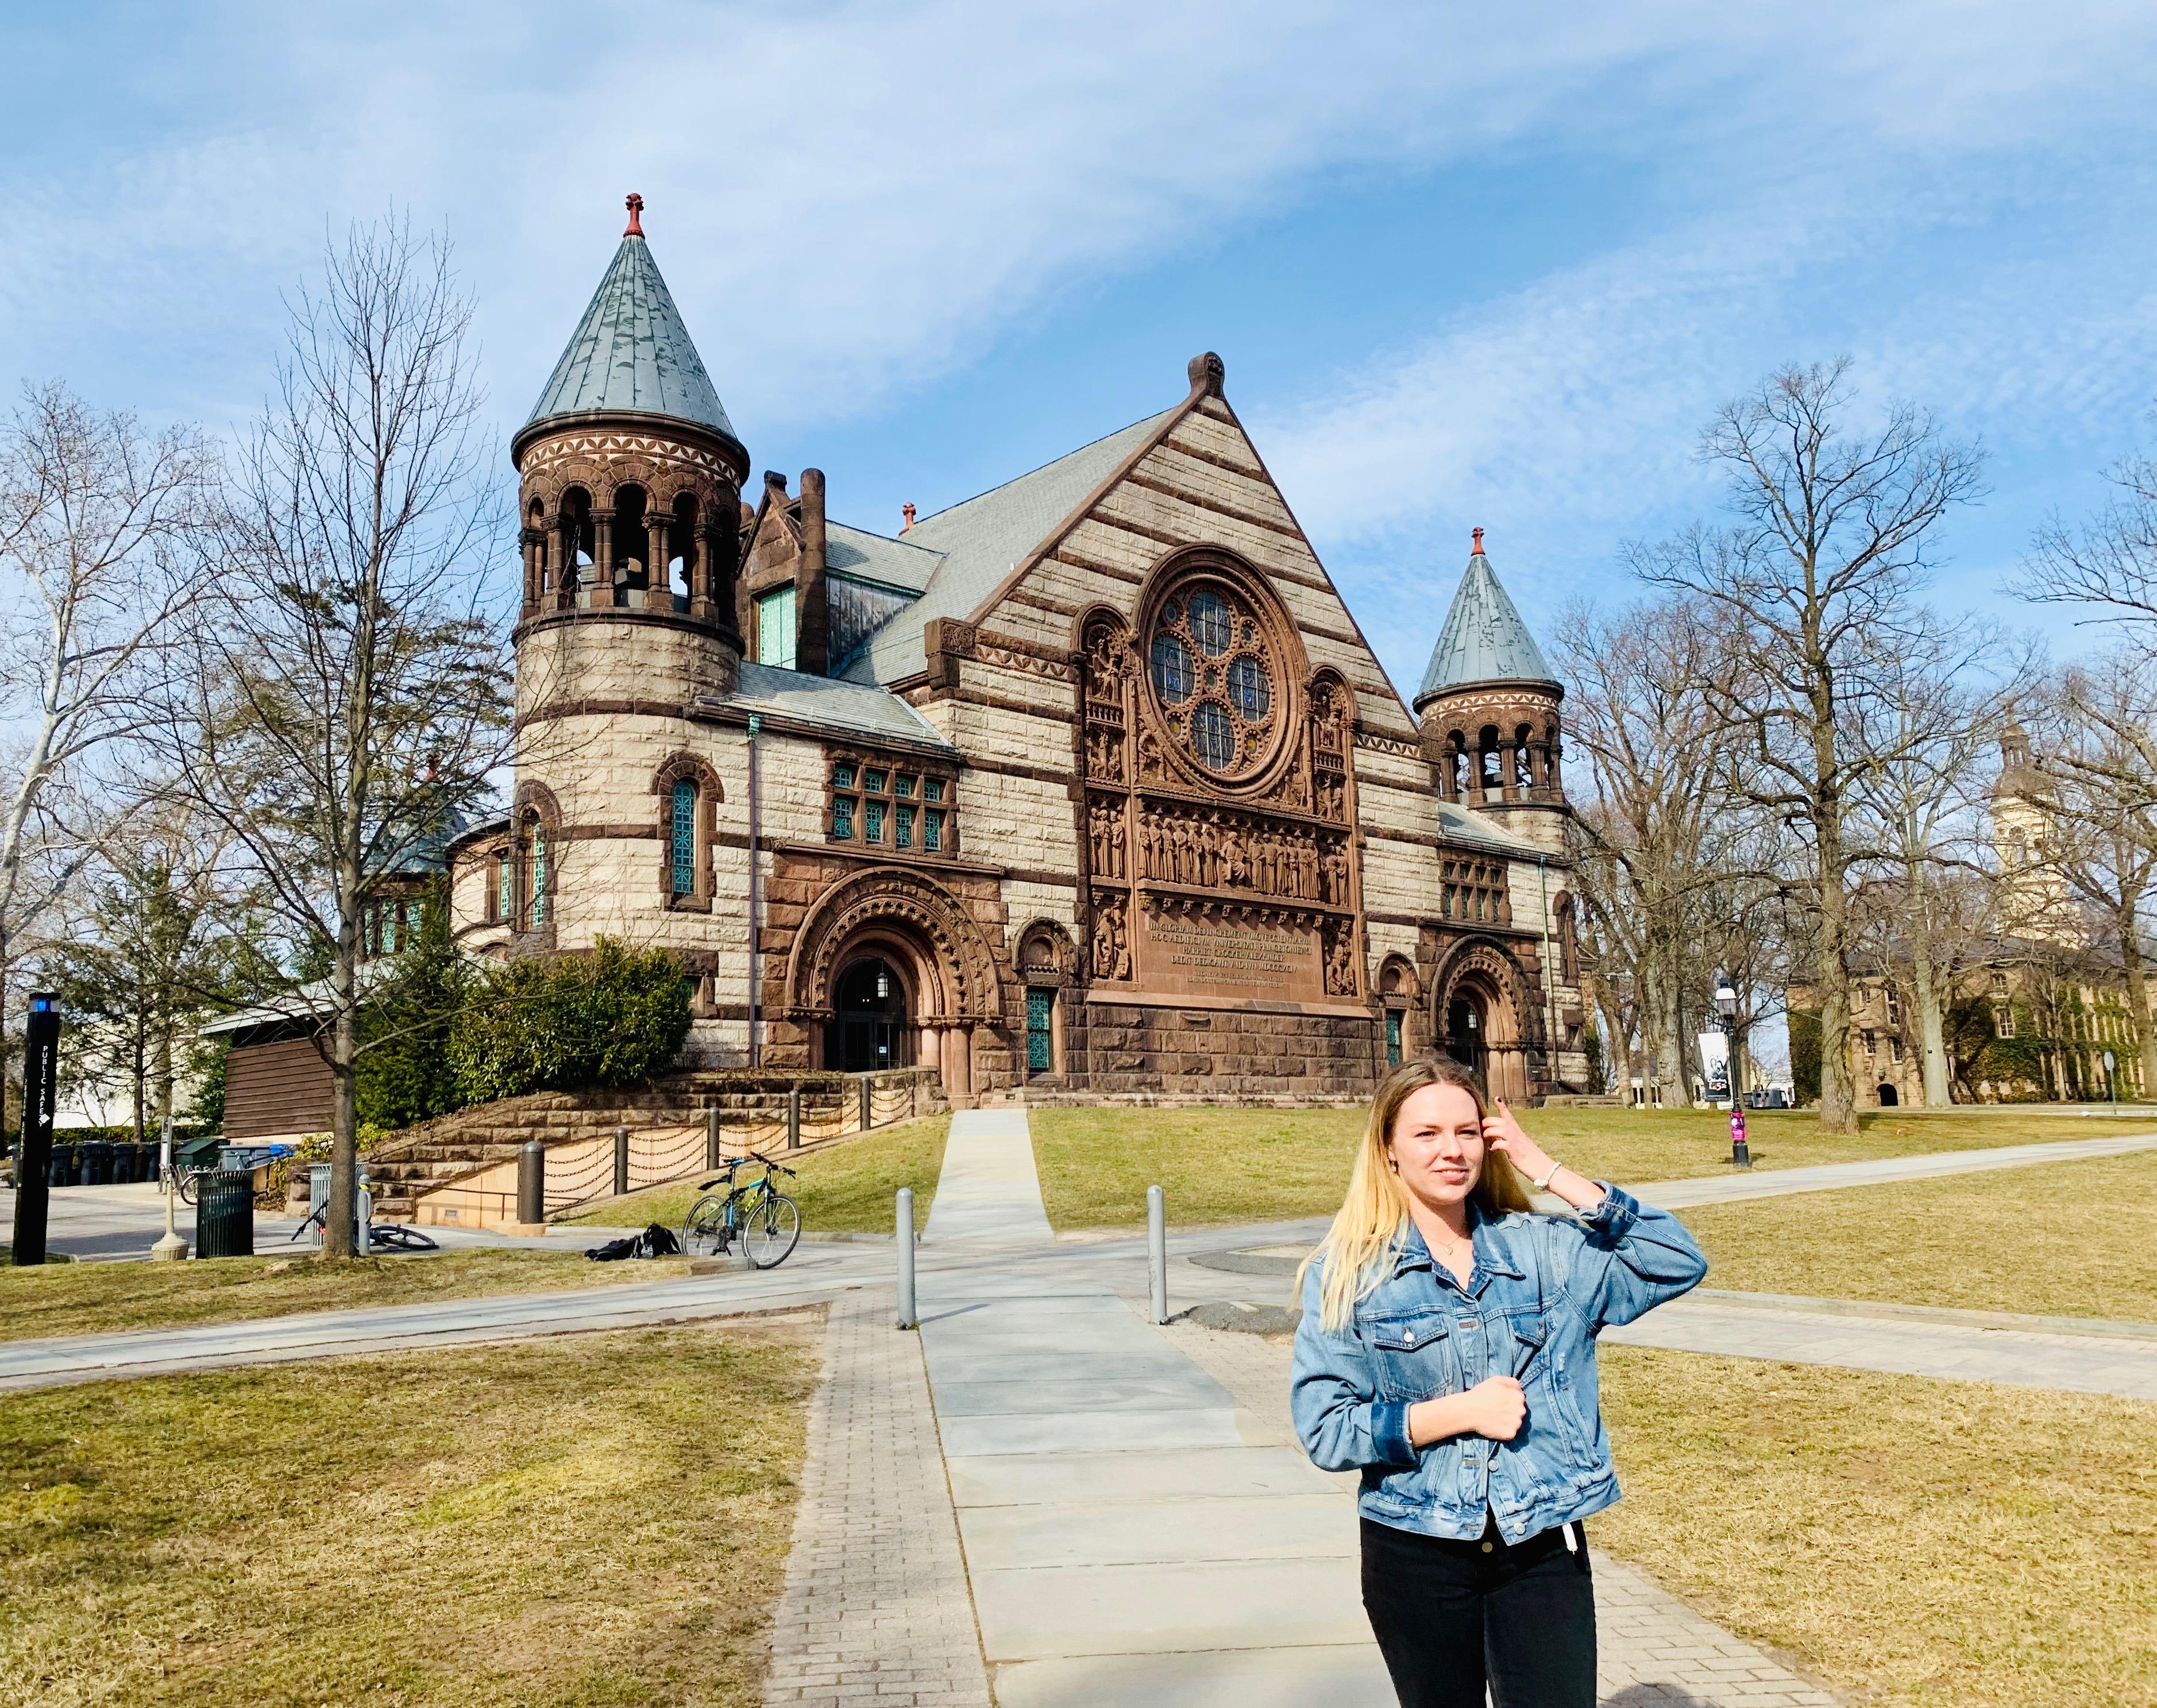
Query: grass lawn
2061, 1239
596, 1521
86, 1298
1229, 1165
1934, 1544
848, 1189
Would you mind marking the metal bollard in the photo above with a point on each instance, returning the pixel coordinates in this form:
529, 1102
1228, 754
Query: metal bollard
621, 1162
531, 1183
868, 1106
794, 1117
903, 1233
711, 1138
362, 1238
1157, 1253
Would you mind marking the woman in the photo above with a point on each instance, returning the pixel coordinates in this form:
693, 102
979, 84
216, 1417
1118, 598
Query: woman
1447, 1351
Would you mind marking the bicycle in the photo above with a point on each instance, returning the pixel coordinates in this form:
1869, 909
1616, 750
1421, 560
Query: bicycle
768, 1221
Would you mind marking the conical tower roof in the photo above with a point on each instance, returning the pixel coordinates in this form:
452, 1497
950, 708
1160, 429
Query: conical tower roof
1484, 638
630, 353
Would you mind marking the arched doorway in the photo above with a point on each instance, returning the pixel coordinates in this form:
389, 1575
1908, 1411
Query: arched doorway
1889, 1098
869, 1018
1467, 1030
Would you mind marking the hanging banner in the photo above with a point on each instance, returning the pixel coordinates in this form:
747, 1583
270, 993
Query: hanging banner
1715, 1063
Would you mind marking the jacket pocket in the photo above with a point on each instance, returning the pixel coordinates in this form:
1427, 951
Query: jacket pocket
1414, 1355
1540, 1359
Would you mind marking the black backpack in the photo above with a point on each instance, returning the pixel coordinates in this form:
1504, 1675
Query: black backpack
655, 1242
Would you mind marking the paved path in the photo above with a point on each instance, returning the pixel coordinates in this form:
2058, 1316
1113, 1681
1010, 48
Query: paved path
1138, 1530
809, 1275
1737, 1185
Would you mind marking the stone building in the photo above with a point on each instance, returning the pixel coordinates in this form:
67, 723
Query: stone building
1088, 783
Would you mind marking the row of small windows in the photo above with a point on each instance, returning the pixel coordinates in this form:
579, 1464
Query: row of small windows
890, 808
389, 926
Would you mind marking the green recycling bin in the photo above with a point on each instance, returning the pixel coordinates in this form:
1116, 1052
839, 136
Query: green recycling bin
224, 1214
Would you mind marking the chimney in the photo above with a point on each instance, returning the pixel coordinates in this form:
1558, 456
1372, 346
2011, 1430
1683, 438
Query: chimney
1478, 551
906, 510
812, 630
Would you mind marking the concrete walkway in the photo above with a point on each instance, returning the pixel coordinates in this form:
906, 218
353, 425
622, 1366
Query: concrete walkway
1135, 1532
1736, 1186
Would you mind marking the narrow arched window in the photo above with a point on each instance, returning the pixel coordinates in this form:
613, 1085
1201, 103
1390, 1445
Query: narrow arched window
682, 840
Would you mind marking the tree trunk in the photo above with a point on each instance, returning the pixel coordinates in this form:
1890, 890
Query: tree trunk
344, 1086
1670, 1046
1837, 1086
1932, 1032
2138, 989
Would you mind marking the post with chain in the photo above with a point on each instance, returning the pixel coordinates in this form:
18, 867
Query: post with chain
621, 1162
869, 1104
531, 1183
793, 1118
711, 1138
1157, 1254
903, 1235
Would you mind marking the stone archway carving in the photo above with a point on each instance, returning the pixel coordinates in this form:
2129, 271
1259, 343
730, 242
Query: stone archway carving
1481, 971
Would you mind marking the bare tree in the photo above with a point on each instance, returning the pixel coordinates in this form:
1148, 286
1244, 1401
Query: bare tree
102, 527
1652, 829
346, 699
2110, 564
1813, 585
2102, 759
1934, 712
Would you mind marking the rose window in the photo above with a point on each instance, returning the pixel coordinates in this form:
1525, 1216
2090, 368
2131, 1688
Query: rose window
1213, 675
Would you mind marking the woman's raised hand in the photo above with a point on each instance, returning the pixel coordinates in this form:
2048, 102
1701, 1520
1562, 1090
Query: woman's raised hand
1502, 1132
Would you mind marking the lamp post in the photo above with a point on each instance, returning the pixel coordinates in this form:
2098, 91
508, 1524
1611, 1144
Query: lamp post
1726, 1014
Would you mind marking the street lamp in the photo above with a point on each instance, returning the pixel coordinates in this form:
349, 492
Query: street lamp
1726, 1014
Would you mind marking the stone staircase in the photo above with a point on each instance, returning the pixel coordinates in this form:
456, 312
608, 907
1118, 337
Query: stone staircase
418, 1160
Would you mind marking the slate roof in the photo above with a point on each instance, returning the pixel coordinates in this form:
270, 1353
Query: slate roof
983, 539
1484, 638
852, 708
873, 556
630, 353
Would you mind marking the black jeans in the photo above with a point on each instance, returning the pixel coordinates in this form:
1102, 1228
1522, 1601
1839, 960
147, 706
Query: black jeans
1451, 1616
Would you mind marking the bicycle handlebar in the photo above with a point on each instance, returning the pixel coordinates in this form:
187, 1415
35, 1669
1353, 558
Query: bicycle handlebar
734, 1163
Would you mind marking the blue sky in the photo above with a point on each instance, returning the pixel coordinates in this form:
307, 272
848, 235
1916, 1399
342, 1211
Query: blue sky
1463, 268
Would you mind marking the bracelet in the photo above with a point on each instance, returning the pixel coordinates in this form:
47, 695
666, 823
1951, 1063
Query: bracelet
1543, 1185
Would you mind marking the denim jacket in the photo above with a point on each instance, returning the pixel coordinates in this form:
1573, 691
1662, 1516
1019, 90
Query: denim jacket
1540, 1290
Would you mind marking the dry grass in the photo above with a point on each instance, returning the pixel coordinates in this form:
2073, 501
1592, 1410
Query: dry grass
2061, 1239
848, 1188
86, 1298
595, 1522
1929, 1543
1229, 1165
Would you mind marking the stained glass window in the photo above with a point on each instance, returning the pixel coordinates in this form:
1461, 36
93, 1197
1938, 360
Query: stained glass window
902, 786
874, 814
1212, 738
932, 830
872, 781
1249, 687
1210, 624
932, 789
842, 776
505, 902
903, 829
1171, 670
681, 839
1040, 1008
539, 878
842, 820
1393, 1037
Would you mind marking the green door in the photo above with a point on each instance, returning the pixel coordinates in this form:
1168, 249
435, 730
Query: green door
1040, 1005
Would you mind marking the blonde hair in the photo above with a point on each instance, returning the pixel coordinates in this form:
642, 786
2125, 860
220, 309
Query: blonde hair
1372, 1222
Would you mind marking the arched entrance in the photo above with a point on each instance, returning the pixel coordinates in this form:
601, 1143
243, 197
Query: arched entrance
1476, 1019
1889, 1097
1466, 1026
870, 1017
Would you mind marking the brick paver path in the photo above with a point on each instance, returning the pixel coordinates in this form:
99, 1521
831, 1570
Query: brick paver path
876, 1609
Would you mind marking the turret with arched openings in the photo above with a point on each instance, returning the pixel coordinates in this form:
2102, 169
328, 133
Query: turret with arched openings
1489, 711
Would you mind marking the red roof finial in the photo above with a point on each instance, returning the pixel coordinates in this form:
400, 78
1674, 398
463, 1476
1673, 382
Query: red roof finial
1478, 542
635, 206
907, 510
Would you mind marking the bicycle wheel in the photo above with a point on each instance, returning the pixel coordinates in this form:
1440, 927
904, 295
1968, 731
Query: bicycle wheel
701, 1232
771, 1231
188, 1179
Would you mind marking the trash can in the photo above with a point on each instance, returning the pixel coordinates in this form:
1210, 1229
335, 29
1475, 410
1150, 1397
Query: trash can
96, 1163
126, 1166
56, 1165
224, 1214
